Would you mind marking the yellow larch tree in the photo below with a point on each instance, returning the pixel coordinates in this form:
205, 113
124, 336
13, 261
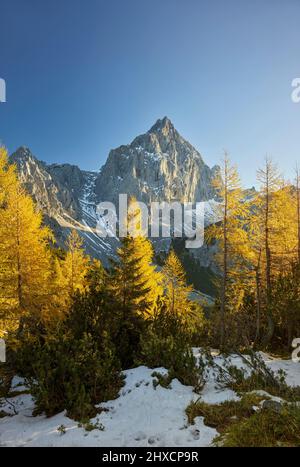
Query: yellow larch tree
273, 239
25, 258
175, 286
297, 204
233, 252
73, 270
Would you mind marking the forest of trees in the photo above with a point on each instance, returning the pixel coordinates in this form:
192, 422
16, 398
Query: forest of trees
258, 256
71, 326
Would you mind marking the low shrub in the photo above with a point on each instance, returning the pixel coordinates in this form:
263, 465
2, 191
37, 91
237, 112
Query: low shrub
5, 380
222, 415
73, 375
166, 343
89, 426
161, 380
255, 375
266, 428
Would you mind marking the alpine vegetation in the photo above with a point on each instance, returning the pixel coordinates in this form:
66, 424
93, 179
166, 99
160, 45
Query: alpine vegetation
149, 267
98, 327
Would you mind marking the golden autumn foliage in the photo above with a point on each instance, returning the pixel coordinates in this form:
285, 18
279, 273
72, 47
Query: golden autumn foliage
258, 243
273, 238
257, 254
73, 270
233, 252
25, 259
176, 289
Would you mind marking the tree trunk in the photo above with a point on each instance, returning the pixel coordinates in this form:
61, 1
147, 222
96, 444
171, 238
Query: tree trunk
258, 300
270, 330
19, 278
225, 272
289, 335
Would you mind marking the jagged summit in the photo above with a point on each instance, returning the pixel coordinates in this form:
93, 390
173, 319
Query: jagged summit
162, 125
23, 153
158, 165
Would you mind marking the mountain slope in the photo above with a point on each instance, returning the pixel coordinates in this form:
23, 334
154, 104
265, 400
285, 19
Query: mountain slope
65, 195
159, 165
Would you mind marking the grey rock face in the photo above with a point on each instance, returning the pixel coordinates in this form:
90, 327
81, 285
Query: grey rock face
70, 180
57, 191
157, 166
274, 405
51, 196
66, 196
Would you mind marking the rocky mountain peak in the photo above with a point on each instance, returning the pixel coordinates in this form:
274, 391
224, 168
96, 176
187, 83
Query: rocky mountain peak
164, 126
22, 152
22, 155
158, 165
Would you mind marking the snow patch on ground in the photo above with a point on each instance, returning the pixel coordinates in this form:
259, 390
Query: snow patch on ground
140, 416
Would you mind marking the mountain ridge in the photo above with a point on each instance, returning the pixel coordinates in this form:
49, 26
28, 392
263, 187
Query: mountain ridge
159, 165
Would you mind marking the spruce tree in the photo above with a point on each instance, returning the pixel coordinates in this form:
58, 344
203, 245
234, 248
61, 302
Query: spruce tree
135, 280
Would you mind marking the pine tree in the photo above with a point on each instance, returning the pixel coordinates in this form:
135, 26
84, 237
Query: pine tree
25, 259
176, 289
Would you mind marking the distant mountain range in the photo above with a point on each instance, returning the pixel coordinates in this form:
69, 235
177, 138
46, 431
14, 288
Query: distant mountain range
159, 165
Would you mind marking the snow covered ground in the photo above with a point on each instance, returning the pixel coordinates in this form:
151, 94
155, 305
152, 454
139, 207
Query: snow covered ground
140, 416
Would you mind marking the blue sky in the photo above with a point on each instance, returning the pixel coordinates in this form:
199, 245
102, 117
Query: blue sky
87, 76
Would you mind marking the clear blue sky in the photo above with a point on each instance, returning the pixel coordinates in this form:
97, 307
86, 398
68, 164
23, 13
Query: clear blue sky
84, 76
